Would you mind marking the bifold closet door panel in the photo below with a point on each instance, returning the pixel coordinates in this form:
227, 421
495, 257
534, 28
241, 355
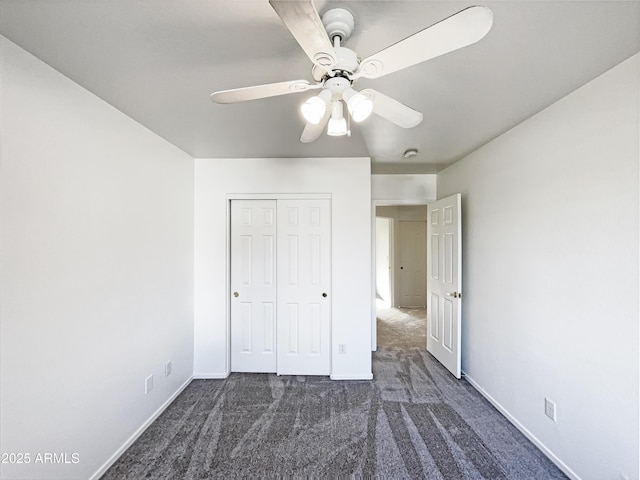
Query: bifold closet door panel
253, 285
304, 283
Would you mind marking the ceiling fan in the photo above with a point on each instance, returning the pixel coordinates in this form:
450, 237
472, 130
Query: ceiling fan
336, 68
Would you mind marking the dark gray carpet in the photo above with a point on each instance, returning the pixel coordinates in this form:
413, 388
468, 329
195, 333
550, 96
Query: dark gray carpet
414, 420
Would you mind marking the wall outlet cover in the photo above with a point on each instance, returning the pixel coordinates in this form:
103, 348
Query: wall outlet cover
148, 384
550, 409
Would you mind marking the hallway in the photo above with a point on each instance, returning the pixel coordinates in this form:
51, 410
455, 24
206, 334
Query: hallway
401, 328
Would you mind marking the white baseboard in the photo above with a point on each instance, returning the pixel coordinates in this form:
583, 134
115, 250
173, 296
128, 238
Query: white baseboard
355, 376
222, 376
138, 432
543, 448
211, 376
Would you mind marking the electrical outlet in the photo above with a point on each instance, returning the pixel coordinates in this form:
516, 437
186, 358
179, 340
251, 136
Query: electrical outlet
550, 409
148, 384
167, 368
342, 348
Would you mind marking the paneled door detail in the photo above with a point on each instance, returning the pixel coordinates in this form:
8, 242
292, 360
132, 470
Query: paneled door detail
253, 286
444, 282
413, 249
304, 301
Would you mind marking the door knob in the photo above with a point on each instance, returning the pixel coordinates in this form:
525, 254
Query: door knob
236, 294
455, 294
324, 294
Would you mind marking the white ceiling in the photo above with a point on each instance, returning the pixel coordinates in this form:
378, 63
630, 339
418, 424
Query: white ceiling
158, 61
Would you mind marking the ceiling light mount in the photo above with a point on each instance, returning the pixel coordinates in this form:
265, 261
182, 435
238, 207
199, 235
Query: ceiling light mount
337, 85
338, 22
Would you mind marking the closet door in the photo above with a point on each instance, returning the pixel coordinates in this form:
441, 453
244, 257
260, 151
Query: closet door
253, 286
304, 296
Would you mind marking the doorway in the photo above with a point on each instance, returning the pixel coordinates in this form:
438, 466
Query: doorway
400, 277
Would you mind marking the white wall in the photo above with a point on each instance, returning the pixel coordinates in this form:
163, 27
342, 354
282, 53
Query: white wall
403, 189
550, 255
348, 182
96, 282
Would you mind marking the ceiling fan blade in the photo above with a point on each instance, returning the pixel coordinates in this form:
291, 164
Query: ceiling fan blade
262, 91
459, 30
304, 23
311, 132
393, 110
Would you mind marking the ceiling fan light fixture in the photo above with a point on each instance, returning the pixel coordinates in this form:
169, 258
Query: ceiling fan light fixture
337, 123
360, 106
337, 127
314, 108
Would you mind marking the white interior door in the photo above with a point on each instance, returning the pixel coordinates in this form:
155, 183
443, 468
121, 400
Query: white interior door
412, 263
304, 302
444, 282
253, 286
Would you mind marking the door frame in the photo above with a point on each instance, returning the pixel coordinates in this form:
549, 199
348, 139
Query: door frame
391, 240
374, 205
257, 196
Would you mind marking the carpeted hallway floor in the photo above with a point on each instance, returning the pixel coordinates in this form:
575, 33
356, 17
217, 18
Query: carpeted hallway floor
414, 420
402, 327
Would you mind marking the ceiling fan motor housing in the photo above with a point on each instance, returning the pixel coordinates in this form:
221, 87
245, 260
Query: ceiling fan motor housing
347, 60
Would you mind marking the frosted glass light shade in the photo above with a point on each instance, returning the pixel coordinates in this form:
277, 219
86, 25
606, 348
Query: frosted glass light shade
360, 107
337, 127
337, 123
313, 110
